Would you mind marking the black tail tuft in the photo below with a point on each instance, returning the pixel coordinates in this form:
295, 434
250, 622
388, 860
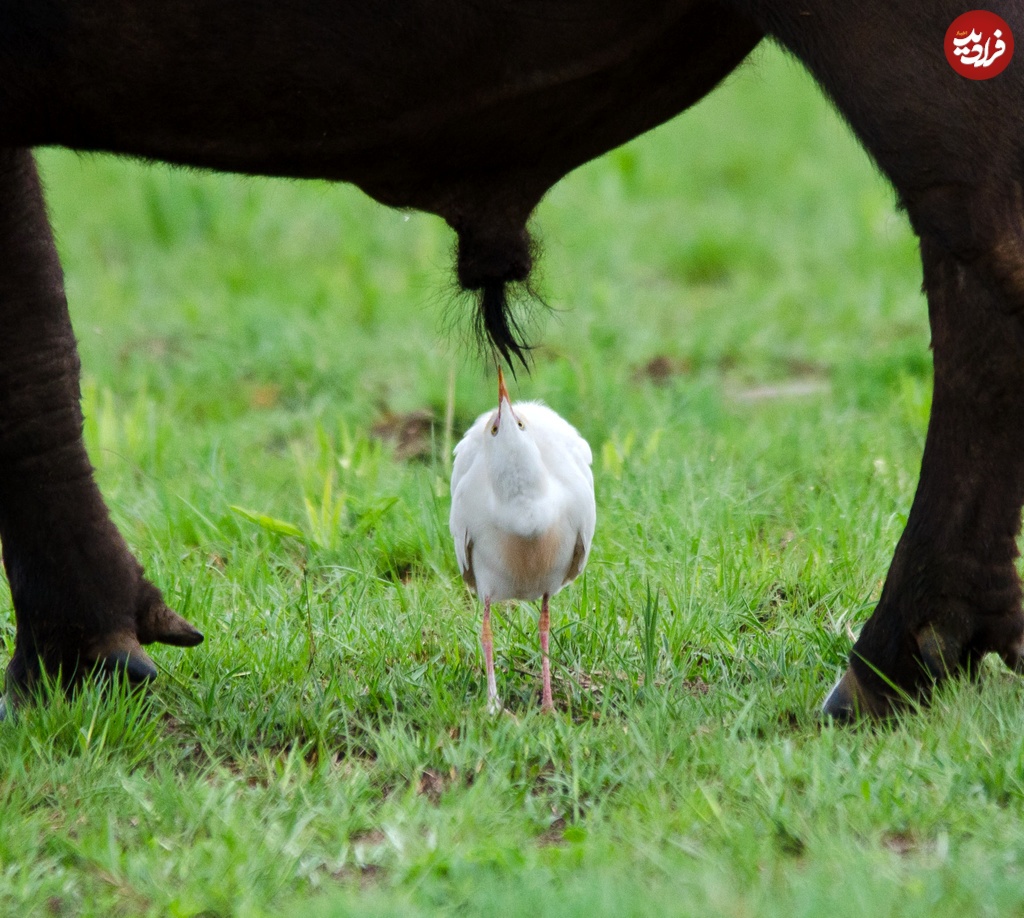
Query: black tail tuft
494, 262
497, 323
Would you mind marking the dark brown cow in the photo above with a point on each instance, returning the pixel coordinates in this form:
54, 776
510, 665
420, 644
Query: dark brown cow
472, 109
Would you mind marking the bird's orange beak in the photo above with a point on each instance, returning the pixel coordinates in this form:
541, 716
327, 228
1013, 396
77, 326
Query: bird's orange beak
503, 397
502, 391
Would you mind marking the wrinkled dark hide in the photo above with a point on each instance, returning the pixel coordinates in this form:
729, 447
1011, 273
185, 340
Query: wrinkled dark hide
954, 150
472, 110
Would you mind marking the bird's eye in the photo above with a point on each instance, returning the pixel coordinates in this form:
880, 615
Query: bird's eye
522, 426
494, 430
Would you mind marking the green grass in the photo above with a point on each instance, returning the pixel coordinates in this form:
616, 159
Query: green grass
740, 335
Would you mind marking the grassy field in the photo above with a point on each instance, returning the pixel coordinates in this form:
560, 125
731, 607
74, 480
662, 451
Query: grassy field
269, 367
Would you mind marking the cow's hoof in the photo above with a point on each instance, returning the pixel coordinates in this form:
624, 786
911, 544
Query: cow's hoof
1013, 655
124, 659
134, 664
909, 680
117, 655
84, 609
850, 701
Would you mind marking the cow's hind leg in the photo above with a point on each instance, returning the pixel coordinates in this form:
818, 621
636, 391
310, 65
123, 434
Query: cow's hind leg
954, 149
953, 593
80, 598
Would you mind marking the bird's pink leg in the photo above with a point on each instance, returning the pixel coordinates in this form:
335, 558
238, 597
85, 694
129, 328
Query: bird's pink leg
546, 703
486, 638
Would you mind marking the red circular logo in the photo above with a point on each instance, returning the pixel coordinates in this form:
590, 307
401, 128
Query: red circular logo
979, 45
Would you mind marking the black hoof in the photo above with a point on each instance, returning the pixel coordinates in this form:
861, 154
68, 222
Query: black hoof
850, 701
135, 664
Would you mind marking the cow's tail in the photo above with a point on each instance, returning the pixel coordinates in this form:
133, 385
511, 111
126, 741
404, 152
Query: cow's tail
495, 264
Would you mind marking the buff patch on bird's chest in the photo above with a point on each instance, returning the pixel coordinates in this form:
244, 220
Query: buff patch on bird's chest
529, 560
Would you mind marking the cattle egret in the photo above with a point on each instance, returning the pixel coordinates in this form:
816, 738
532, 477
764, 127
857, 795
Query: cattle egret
523, 514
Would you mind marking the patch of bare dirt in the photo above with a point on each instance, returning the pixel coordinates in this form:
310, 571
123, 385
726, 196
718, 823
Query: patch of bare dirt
661, 369
408, 432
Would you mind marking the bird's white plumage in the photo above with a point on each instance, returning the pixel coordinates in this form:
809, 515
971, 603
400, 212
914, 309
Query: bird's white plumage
523, 514
523, 511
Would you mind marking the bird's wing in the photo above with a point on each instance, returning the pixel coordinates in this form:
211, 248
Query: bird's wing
569, 464
582, 503
464, 555
579, 558
583, 516
467, 455
580, 451
568, 458
458, 523
468, 574
466, 452
559, 442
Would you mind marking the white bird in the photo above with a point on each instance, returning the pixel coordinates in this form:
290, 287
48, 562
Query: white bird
523, 513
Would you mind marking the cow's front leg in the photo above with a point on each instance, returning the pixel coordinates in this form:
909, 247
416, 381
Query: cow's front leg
953, 593
80, 598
